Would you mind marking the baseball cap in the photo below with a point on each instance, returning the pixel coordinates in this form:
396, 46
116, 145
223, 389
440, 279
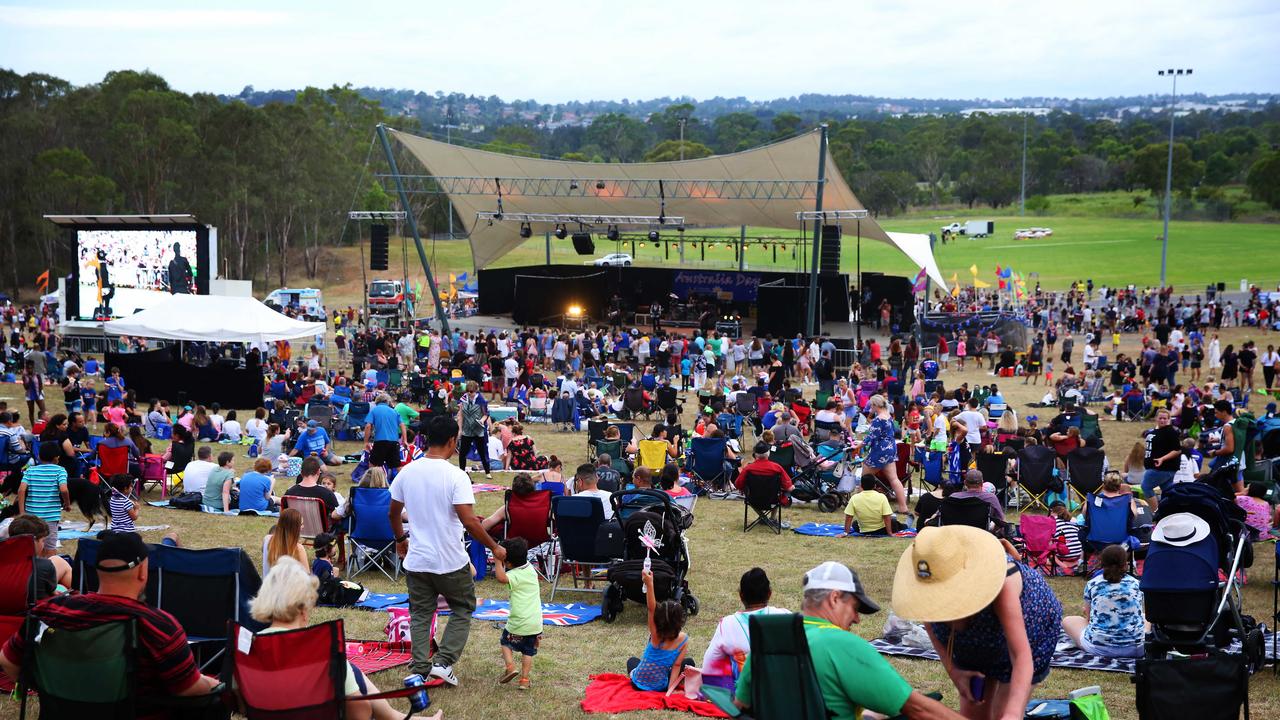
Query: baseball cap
312, 423
832, 575
125, 547
762, 448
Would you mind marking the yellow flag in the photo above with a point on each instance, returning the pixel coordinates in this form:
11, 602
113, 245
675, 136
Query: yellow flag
955, 285
454, 278
974, 269
979, 284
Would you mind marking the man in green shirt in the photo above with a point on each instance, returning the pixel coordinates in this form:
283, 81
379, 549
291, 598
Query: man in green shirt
851, 674
408, 416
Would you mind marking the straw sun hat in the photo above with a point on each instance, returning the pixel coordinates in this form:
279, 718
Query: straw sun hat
948, 573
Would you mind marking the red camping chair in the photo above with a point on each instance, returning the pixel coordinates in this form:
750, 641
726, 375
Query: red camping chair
905, 465
529, 517
294, 674
113, 460
803, 413
17, 566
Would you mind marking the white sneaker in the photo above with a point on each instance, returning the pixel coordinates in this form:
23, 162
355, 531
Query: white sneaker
445, 673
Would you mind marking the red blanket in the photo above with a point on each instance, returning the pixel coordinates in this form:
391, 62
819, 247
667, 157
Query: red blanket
613, 693
376, 656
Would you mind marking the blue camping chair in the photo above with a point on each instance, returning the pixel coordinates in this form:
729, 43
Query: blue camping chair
577, 521
931, 467
626, 431
357, 414
202, 589
706, 461
373, 544
730, 424
1108, 521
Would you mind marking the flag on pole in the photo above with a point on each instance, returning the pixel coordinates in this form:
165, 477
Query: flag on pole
980, 284
921, 280
955, 285
42, 282
973, 269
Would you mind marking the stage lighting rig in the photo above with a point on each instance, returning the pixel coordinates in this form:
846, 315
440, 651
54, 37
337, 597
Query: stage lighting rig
653, 235
561, 231
526, 230
612, 233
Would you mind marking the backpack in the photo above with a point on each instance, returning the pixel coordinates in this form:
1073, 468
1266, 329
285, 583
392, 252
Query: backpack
187, 501
341, 593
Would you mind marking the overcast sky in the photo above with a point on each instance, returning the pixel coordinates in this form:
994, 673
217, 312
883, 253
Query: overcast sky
552, 51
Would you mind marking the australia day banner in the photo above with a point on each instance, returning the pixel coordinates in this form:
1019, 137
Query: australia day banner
739, 287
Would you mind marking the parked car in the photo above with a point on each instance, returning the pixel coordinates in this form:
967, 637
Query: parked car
613, 260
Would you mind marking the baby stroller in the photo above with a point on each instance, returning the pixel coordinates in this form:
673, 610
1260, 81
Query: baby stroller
821, 480
659, 517
1193, 603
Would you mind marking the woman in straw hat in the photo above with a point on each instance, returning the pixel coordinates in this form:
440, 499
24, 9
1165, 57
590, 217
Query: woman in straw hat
993, 621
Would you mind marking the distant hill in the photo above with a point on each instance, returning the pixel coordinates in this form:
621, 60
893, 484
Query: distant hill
474, 112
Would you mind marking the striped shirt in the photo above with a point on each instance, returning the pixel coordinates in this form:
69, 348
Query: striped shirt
120, 506
1068, 533
164, 662
44, 484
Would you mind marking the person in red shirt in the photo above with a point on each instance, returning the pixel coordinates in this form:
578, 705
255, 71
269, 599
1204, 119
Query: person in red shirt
165, 666
762, 465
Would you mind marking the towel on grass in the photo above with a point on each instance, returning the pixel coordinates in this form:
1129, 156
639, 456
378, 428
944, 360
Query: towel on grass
559, 614
833, 530
81, 534
260, 513
372, 656
613, 693
486, 487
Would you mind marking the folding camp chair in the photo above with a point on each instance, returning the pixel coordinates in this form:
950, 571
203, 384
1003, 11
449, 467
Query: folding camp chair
529, 517
373, 545
971, 511
626, 432
595, 433
539, 410
746, 405
84, 673
730, 424
783, 681
905, 465
931, 469
314, 518
1084, 470
652, 454
577, 520
1107, 521
1040, 544
784, 455
153, 474
994, 467
668, 400
17, 586
1035, 475
357, 416
294, 673
762, 493
613, 448
825, 430
323, 414
113, 460
820, 400
706, 461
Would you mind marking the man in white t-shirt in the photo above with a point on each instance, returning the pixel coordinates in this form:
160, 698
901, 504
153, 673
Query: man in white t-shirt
586, 485
197, 472
973, 423
437, 497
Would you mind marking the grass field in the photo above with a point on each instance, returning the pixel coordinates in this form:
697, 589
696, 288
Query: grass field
1111, 251
720, 553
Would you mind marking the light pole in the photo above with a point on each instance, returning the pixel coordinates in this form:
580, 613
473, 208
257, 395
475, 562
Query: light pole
1022, 196
1173, 73
682, 122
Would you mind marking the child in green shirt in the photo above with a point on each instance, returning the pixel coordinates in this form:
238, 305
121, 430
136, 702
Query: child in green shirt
523, 632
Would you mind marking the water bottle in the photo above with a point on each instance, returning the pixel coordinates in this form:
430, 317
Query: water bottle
418, 701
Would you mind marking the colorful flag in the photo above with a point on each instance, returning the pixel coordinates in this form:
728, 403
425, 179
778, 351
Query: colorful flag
980, 284
974, 269
955, 285
42, 282
921, 280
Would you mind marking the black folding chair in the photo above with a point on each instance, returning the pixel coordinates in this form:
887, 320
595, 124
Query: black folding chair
762, 493
1035, 474
971, 511
994, 467
1084, 470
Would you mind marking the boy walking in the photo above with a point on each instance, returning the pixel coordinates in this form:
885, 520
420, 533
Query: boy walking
523, 632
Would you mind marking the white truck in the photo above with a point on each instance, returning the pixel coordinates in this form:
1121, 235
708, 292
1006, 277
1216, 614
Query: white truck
972, 228
309, 301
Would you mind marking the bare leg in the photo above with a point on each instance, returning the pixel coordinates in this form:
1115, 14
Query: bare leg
1073, 626
890, 474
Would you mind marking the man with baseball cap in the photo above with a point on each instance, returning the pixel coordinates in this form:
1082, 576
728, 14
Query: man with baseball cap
851, 674
165, 666
761, 465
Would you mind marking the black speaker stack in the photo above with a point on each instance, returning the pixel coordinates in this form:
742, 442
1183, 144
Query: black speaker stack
379, 247
583, 244
829, 259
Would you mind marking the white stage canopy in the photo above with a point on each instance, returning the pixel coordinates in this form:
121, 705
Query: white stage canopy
916, 247
213, 318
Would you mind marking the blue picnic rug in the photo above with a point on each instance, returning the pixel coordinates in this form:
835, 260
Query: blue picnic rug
560, 614
833, 530
259, 513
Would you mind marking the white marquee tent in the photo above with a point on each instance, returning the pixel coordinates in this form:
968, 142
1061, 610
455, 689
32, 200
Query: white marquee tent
213, 318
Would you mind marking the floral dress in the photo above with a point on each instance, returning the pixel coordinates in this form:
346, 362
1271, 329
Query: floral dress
982, 647
882, 447
522, 454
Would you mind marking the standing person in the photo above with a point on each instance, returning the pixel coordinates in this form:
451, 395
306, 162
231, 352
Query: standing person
1270, 362
523, 631
882, 455
439, 503
993, 621
1161, 456
43, 493
473, 419
33, 389
1248, 357
384, 433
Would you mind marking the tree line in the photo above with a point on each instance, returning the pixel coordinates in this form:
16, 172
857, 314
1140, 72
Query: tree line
278, 178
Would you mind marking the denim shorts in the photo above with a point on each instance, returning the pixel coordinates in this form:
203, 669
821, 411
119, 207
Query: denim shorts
526, 645
1152, 479
1127, 651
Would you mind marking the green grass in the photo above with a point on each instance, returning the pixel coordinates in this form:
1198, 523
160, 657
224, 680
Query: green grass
1111, 251
720, 553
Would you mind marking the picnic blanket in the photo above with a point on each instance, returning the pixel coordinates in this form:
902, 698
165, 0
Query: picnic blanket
613, 693
833, 530
1065, 656
79, 531
260, 513
372, 656
486, 487
560, 614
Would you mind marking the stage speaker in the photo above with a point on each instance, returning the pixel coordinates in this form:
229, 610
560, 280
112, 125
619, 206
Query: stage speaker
379, 247
583, 244
1222, 287
830, 256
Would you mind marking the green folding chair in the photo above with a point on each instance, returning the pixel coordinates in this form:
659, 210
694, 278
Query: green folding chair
821, 400
84, 673
783, 682
615, 450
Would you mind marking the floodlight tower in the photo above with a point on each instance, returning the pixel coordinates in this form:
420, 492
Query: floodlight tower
1173, 74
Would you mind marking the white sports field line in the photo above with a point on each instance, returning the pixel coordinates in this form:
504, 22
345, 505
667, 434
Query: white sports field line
1036, 245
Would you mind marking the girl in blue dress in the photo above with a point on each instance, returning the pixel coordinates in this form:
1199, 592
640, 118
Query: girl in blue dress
882, 450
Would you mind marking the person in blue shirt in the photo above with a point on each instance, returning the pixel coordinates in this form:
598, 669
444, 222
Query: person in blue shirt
383, 434
686, 369
929, 367
255, 488
995, 403
115, 386
315, 441
91, 367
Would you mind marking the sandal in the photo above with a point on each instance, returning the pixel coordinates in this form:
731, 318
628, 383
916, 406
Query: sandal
508, 675
524, 684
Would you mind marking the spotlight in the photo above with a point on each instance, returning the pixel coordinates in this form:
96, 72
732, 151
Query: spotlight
525, 230
679, 228
653, 235
575, 311
599, 184
573, 184
612, 233
561, 231
497, 216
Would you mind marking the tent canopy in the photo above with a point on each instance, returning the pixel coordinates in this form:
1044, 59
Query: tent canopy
212, 318
778, 181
